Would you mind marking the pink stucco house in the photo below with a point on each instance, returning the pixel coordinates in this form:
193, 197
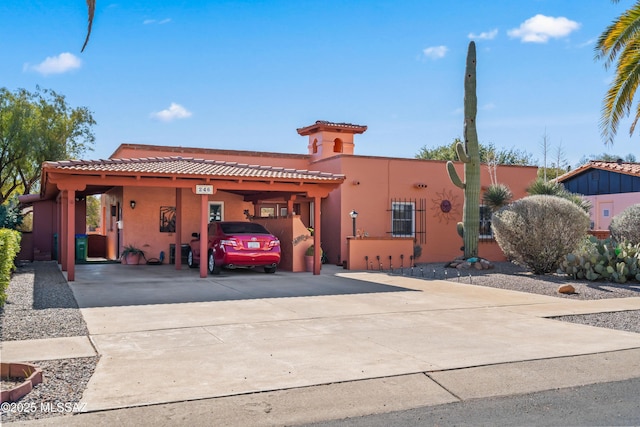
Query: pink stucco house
156, 196
611, 187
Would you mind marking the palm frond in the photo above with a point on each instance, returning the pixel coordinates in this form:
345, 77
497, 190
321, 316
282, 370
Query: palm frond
91, 9
620, 44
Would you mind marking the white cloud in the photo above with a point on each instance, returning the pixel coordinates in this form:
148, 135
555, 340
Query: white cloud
155, 21
485, 35
541, 28
435, 52
56, 64
588, 43
175, 111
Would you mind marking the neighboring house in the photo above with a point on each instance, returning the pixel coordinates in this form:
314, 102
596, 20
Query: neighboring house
611, 187
156, 196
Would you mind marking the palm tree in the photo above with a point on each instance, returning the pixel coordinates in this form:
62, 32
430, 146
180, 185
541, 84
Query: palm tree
620, 43
91, 9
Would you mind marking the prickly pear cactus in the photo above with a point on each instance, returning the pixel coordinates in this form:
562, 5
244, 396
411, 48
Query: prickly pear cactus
469, 154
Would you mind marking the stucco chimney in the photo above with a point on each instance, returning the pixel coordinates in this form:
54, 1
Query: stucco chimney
328, 139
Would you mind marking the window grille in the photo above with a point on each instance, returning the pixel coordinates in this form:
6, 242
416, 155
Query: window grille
408, 218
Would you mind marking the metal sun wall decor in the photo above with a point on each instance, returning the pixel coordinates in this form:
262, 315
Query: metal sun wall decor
167, 219
446, 206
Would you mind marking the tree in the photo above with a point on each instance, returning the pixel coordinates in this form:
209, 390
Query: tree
488, 152
93, 212
620, 44
605, 157
10, 215
545, 150
34, 128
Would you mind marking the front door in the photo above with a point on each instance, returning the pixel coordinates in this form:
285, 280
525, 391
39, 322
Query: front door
604, 215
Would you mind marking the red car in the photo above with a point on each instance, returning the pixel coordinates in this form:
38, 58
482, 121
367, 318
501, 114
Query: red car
235, 244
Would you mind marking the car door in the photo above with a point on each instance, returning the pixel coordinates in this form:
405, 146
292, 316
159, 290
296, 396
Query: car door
214, 240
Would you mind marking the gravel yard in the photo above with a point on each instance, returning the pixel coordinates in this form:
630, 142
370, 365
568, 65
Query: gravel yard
41, 305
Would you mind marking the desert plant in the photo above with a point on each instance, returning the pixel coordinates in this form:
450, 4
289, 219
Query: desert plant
469, 154
132, 250
553, 188
542, 187
538, 231
603, 260
626, 225
497, 196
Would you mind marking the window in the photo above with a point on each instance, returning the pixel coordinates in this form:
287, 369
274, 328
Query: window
485, 223
402, 219
216, 211
337, 145
267, 212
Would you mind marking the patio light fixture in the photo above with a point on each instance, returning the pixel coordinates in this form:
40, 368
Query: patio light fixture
353, 214
132, 203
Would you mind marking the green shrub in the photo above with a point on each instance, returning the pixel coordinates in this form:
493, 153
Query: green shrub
603, 260
9, 248
626, 225
538, 231
552, 188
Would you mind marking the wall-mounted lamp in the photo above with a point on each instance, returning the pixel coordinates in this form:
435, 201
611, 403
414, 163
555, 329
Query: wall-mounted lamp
132, 203
353, 214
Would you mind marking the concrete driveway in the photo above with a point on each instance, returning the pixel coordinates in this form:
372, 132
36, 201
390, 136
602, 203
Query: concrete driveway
168, 336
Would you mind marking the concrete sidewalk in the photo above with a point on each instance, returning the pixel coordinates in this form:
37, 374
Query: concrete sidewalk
406, 343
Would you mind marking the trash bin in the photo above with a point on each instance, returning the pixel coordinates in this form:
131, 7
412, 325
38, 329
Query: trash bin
184, 252
81, 247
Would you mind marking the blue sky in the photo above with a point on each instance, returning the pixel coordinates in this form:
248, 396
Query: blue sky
245, 74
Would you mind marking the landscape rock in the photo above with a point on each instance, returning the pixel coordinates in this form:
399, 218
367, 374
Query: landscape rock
566, 289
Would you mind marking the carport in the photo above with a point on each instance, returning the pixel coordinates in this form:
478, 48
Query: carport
69, 181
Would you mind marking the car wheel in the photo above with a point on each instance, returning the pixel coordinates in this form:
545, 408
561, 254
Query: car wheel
211, 264
270, 270
190, 261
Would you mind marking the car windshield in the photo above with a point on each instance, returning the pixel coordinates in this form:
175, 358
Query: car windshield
243, 228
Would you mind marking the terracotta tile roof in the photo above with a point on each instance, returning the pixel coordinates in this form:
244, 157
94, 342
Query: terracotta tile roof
191, 166
326, 125
626, 168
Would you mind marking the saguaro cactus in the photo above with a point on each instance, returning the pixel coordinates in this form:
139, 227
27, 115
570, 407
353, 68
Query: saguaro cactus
468, 153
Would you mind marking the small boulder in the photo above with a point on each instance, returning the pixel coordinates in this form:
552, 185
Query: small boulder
566, 289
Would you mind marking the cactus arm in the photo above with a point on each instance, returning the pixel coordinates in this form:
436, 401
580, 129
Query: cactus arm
460, 229
453, 175
462, 154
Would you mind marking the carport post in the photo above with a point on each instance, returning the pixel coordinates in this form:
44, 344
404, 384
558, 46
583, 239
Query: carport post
204, 237
178, 227
317, 254
71, 228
